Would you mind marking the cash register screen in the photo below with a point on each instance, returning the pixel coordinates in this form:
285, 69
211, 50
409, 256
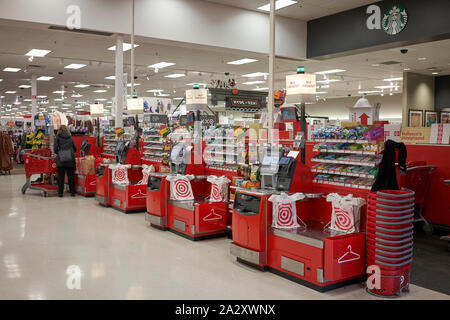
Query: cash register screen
288, 114
284, 160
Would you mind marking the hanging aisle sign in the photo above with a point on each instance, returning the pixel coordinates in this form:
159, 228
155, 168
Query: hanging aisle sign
196, 99
156, 118
300, 88
135, 106
245, 103
97, 110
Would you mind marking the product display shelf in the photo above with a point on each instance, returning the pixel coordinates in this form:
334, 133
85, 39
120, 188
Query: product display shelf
155, 147
350, 163
110, 140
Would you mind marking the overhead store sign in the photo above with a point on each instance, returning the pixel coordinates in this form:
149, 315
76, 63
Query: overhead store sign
97, 110
207, 120
135, 106
157, 118
300, 88
242, 103
394, 19
197, 97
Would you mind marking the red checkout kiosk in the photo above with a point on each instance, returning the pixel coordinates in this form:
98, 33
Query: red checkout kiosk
194, 219
310, 254
129, 197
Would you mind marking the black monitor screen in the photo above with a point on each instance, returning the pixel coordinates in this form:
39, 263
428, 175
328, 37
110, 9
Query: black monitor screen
288, 114
190, 117
285, 160
130, 120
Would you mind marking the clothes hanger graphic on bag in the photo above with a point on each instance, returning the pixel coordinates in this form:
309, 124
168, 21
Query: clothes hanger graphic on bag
349, 256
212, 216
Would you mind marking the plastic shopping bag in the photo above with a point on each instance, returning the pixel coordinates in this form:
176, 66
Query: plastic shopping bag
146, 170
219, 188
345, 216
120, 174
180, 187
284, 210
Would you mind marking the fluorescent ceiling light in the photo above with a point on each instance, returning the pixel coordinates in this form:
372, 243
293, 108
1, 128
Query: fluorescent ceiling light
23, 107
370, 91
1, 80
25, 86
99, 91
125, 47
100, 99
242, 61
27, 100
155, 90
386, 87
393, 79
75, 66
59, 99
321, 92
328, 81
66, 104
58, 91
330, 71
45, 78
253, 82
136, 84
110, 77
422, 58
163, 95
161, 65
82, 86
178, 98
10, 92
77, 95
199, 83
407, 69
9, 69
38, 53
435, 73
41, 97
260, 89
255, 74
175, 75
279, 4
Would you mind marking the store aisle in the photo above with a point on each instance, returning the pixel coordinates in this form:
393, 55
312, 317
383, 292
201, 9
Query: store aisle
121, 258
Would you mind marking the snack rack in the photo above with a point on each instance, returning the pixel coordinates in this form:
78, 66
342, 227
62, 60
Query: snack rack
110, 140
349, 163
156, 149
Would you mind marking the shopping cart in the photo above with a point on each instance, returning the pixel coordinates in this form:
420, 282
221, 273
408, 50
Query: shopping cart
40, 162
447, 237
417, 179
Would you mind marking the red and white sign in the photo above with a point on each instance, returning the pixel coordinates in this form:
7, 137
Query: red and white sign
440, 133
300, 84
392, 132
197, 97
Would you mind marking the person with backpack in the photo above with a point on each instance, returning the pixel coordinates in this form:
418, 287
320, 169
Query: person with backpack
65, 149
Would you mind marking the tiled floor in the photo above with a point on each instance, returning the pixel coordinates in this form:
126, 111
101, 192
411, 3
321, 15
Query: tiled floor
121, 258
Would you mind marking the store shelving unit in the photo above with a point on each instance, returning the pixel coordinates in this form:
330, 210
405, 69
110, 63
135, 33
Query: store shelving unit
156, 149
110, 140
350, 163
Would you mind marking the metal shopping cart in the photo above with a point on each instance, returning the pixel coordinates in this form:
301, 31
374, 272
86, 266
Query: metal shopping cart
417, 178
40, 162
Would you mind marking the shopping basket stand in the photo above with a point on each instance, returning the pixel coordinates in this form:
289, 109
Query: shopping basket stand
417, 179
35, 163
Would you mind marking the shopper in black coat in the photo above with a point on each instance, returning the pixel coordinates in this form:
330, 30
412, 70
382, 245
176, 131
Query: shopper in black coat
65, 149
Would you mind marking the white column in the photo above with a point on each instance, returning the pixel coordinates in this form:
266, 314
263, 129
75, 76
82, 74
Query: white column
119, 82
271, 103
33, 99
132, 50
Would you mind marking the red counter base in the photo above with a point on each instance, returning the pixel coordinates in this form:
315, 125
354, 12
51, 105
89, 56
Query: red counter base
86, 185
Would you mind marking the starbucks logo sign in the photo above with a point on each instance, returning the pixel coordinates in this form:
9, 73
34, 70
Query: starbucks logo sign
395, 19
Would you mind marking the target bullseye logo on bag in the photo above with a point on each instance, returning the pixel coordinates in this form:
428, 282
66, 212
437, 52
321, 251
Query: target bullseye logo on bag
285, 216
120, 174
180, 187
216, 193
219, 188
342, 220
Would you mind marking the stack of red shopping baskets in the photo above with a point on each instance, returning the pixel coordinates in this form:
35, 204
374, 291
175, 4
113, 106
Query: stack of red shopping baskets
390, 239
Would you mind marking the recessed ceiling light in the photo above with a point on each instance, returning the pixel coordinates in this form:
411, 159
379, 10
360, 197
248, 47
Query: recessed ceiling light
435, 73
161, 65
75, 66
330, 71
125, 47
45, 78
38, 53
255, 74
393, 79
10, 92
253, 82
82, 86
110, 77
279, 4
328, 81
175, 75
422, 58
24, 86
1, 80
242, 61
99, 91
9, 69
386, 87
260, 89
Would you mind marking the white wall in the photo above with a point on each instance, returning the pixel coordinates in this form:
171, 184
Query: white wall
336, 109
191, 21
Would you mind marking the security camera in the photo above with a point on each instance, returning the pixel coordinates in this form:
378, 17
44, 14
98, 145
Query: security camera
60, 72
227, 73
135, 77
404, 51
349, 95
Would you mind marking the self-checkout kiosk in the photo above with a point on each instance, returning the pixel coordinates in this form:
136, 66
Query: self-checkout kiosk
310, 254
157, 200
86, 185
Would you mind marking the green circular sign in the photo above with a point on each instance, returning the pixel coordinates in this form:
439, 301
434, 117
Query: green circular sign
395, 19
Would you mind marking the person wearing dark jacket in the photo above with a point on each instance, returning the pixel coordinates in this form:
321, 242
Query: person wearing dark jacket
65, 149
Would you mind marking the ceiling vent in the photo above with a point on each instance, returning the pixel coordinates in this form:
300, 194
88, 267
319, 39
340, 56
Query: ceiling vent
390, 62
84, 31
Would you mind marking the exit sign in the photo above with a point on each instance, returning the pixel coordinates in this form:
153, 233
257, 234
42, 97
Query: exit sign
301, 69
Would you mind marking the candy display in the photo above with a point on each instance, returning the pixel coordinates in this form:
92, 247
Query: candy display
357, 133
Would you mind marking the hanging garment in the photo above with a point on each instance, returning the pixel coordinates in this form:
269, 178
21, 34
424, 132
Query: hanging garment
146, 170
120, 173
180, 187
219, 188
345, 215
386, 178
6, 151
284, 210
